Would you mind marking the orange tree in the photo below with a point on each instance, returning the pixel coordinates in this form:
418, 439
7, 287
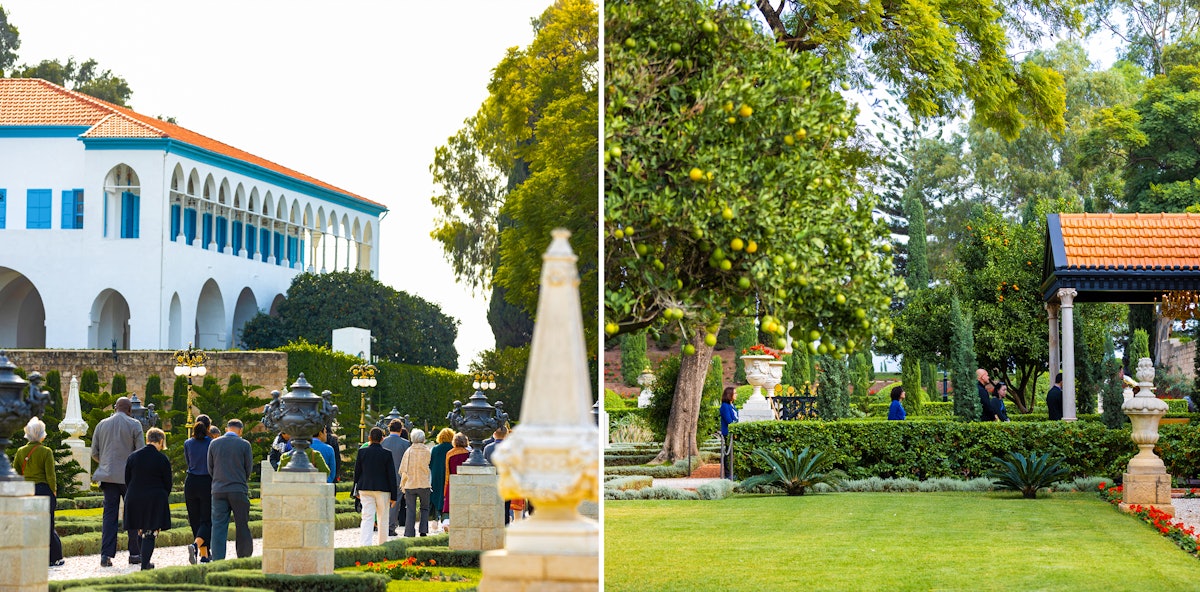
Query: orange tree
731, 189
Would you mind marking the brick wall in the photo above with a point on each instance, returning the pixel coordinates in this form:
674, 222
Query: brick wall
1179, 357
268, 369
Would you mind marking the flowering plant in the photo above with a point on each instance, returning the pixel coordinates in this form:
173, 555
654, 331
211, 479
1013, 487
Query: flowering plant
1176, 530
762, 350
410, 569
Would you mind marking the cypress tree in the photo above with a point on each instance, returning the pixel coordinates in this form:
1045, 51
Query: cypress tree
963, 363
796, 372
633, 356
833, 398
153, 393
89, 381
118, 385
917, 276
910, 377
1140, 344
1112, 390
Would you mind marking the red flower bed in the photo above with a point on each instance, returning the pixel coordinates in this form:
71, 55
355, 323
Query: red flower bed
762, 350
1182, 535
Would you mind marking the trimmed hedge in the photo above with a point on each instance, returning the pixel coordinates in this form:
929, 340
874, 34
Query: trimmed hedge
164, 587
626, 459
629, 482
446, 557
927, 449
715, 490
614, 413
89, 543
353, 581
394, 549
90, 502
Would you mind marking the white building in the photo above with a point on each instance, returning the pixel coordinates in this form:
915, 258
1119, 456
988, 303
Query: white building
118, 228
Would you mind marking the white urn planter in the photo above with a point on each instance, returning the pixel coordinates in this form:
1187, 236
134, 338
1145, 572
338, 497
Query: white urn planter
761, 371
645, 380
1146, 481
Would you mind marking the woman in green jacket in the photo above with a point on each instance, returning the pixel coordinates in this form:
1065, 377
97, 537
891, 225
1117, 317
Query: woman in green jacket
36, 462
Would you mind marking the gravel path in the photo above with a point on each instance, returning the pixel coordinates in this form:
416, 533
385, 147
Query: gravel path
88, 566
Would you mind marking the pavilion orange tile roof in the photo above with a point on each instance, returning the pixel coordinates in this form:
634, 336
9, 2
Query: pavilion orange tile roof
1131, 241
33, 101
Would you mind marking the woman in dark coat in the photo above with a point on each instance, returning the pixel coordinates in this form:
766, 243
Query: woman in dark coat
437, 472
197, 489
454, 458
147, 494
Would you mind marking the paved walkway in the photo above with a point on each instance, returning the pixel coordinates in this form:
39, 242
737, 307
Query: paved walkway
88, 566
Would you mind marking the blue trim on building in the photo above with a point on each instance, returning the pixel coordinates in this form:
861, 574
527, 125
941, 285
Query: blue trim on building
254, 171
43, 131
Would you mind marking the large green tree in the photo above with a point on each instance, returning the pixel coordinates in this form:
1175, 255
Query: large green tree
405, 328
730, 189
86, 77
540, 123
10, 42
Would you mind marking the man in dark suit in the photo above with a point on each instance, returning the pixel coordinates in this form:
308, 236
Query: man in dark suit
230, 462
397, 444
1054, 403
985, 387
114, 439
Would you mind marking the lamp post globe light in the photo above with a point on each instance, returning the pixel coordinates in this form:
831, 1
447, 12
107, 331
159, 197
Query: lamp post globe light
16, 407
190, 363
363, 377
478, 419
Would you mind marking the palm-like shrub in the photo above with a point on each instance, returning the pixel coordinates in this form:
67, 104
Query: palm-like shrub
1027, 474
794, 472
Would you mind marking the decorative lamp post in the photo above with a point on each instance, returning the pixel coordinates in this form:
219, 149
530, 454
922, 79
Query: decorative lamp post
478, 419
301, 415
944, 386
145, 415
363, 378
16, 408
190, 363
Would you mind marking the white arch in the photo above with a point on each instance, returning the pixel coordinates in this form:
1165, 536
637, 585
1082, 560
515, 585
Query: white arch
175, 323
275, 302
177, 179
211, 329
22, 314
243, 311
365, 247
122, 215
281, 208
193, 183
109, 321
252, 205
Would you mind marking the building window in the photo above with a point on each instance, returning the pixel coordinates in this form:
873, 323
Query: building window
278, 248
3, 208
72, 209
250, 234
189, 225
237, 237
222, 233
131, 206
37, 211
176, 215
264, 240
205, 230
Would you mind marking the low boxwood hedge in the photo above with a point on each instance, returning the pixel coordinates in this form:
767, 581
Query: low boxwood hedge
394, 549
164, 588
446, 557
89, 543
353, 581
626, 459
928, 449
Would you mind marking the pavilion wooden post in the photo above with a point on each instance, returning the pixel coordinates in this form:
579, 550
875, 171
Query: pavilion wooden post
1066, 299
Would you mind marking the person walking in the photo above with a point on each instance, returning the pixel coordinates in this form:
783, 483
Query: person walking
36, 463
1054, 402
114, 439
230, 462
197, 489
437, 471
375, 481
414, 482
326, 452
396, 443
997, 402
147, 502
896, 411
314, 457
498, 437
454, 458
984, 388
729, 415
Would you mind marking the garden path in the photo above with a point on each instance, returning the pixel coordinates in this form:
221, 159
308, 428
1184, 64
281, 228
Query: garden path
88, 566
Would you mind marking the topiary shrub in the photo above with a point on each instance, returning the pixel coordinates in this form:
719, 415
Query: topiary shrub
633, 356
118, 386
446, 557
630, 482
164, 588
340, 582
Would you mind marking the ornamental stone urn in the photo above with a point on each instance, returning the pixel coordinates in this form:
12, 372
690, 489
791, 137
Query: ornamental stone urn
1146, 482
760, 372
645, 380
301, 415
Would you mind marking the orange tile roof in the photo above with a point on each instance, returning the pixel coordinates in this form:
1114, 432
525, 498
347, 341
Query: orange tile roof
1149, 241
33, 101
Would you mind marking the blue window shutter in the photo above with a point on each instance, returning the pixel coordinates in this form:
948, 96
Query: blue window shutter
130, 214
37, 208
137, 216
68, 209
3, 208
222, 233
176, 212
250, 236
206, 230
301, 253
264, 241
78, 209
237, 237
278, 248
189, 225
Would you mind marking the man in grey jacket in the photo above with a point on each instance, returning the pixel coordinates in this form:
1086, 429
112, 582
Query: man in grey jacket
397, 444
114, 439
230, 462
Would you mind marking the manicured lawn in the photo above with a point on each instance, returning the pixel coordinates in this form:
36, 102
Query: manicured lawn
887, 541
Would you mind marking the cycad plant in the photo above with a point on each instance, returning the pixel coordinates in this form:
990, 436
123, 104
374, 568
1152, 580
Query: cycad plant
795, 472
1027, 474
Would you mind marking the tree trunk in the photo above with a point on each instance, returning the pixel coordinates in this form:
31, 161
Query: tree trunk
685, 409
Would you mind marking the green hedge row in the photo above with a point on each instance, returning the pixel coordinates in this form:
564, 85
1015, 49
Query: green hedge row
615, 413
360, 581
154, 587
89, 502
424, 393
89, 543
929, 449
446, 557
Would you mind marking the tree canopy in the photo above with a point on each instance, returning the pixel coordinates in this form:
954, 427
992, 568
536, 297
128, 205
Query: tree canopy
405, 328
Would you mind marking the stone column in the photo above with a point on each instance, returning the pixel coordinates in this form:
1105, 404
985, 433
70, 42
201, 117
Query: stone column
298, 527
551, 458
1055, 349
476, 510
24, 538
1066, 298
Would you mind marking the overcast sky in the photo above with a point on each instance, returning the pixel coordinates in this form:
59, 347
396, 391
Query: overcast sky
356, 94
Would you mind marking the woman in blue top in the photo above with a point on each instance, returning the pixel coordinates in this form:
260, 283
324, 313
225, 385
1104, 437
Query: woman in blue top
197, 489
728, 415
896, 411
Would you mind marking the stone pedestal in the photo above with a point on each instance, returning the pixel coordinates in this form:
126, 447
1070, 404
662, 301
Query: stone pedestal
298, 524
510, 572
82, 455
267, 474
1146, 482
476, 510
1148, 490
24, 538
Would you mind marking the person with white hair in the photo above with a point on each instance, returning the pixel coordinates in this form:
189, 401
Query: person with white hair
36, 462
415, 484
